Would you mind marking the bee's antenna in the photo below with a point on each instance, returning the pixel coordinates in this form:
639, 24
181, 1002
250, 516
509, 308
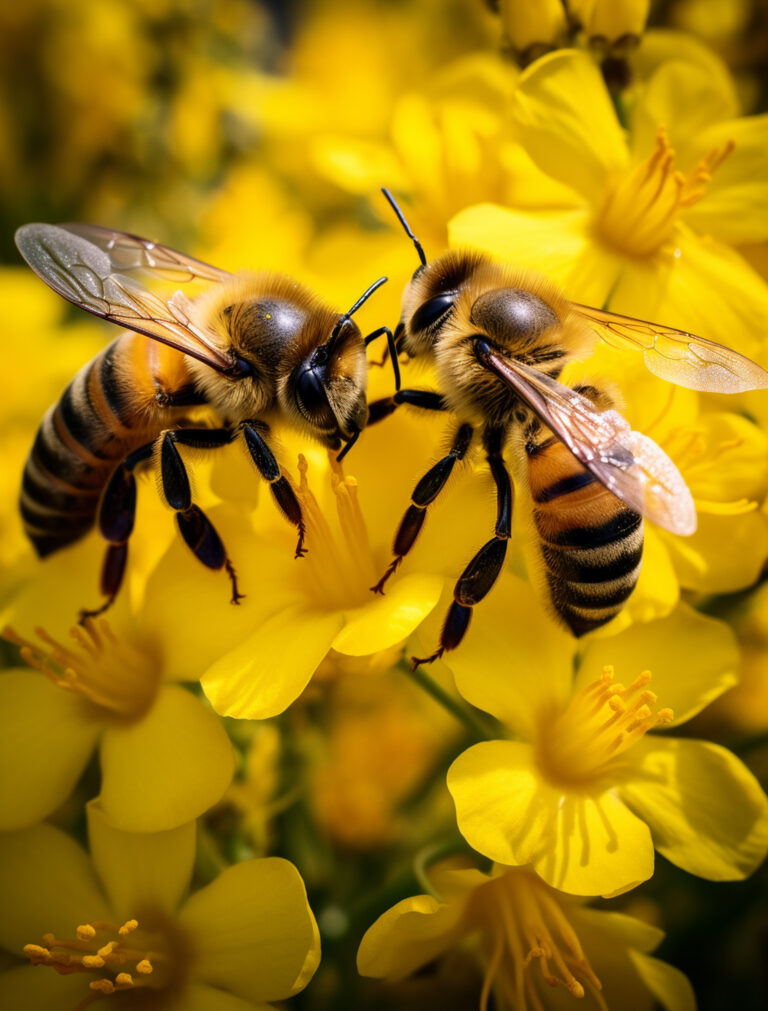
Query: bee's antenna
342, 320
401, 218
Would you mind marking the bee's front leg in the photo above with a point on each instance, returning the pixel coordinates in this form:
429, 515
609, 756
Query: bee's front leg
269, 469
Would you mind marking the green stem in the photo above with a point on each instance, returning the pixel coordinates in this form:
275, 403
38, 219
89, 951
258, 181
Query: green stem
621, 110
479, 730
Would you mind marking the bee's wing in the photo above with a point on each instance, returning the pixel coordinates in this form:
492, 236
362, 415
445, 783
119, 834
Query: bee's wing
84, 273
628, 463
676, 355
128, 253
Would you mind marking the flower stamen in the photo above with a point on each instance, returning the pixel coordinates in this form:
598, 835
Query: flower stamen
110, 673
639, 211
576, 744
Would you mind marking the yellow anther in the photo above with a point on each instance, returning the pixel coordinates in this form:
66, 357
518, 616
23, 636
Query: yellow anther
93, 961
85, 932
144, 967
617, 704
36, 951
128, 927
103, 985
575, 988
665, 716
49, 939
107, 950
123, 980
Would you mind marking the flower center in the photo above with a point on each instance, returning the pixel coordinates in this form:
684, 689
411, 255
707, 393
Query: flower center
109, 672
525, 924
120, 958
640, 210
578, 744
339, 569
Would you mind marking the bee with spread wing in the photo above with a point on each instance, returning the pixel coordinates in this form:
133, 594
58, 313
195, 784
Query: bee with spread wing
254, 347
499, 339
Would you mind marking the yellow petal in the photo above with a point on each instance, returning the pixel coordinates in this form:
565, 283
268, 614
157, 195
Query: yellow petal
45, 742
595, 846
567, 124
502, 808
734, 208
550, 242
355, 164
141, 869
391, 617
664, 46
167, 768
670, 987
686, 98
628, 931
713, 292
513, 673
253, 931
692, 658
263, 675
46, 884
707, 812
34, 988
408, 936
200, 997
727, 553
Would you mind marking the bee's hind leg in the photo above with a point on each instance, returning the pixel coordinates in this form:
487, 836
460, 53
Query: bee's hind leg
479, 576
199, 534
117, 512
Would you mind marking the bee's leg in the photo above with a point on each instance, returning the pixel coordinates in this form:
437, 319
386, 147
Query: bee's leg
269, 468
390, 352
425, 399
117, 511
198, 532
425, 492
484, 569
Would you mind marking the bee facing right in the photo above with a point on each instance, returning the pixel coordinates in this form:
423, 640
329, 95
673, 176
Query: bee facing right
499, 339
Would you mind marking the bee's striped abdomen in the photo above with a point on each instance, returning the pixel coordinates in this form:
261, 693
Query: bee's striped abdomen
590, 542
77, 446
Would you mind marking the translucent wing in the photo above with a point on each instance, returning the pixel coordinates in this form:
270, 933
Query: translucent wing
628, 463
85, 274
676, 355
129, 253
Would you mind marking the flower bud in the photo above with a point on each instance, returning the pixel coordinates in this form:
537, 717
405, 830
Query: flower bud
532, 26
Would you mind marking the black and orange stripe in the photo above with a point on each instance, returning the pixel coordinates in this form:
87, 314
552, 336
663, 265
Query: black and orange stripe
590, 542
80, 441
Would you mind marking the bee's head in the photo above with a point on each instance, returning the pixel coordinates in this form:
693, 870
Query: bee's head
329, 384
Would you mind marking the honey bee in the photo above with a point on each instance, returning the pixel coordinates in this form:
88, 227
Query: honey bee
499, 339
254, 347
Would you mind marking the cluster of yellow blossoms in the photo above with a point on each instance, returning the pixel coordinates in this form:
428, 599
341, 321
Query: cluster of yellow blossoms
462, 816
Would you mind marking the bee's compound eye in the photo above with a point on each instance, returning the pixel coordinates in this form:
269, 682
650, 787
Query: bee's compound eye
310, 394
241, 368
432, 311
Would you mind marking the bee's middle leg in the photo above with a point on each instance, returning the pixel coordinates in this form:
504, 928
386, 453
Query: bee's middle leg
198, 532
269, 469
479, 576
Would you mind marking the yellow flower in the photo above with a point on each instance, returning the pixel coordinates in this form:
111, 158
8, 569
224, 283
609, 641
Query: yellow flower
106, 686
660, 207
610, 20
532, 26
300, 610
118, 923
533, 943
382, 737
585, 793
